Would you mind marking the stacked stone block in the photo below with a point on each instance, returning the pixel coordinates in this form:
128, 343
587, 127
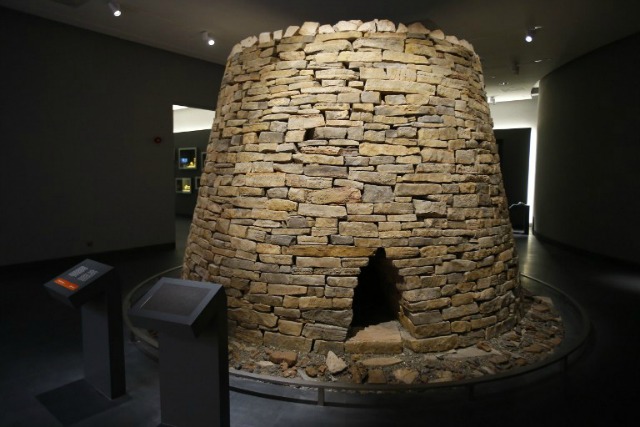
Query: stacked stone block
331, 142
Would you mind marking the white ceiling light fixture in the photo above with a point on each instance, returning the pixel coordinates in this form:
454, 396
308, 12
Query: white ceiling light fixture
115, 8
207, 38
531, 34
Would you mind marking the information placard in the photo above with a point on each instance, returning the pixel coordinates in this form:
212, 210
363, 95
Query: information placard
80, 283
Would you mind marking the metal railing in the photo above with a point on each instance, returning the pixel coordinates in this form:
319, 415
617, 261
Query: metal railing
250, 383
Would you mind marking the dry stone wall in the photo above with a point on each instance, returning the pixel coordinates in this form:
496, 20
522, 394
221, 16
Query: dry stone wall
331, 142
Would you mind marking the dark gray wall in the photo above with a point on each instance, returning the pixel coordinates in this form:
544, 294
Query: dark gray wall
79, 170
513, 146
588, 170
199, 139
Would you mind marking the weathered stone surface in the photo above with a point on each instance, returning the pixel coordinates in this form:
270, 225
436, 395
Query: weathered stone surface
358, 229
369, 149
384, 338
264, 180
460, 311
300, 344
406, 376
288, 357
324, 332
377, 193
305, 121
334, 196
396, 86
430, 209
334, 363
430, 345
324, 211
330, 317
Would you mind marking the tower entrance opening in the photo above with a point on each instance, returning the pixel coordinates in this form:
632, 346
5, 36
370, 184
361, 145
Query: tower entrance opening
376, 298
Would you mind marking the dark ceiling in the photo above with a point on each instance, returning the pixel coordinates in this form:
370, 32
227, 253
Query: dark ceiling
496, 28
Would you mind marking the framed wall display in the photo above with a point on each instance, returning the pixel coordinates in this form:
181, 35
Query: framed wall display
187, 158
183, 185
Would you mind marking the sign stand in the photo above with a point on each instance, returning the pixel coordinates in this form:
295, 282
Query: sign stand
95, 289
191, 321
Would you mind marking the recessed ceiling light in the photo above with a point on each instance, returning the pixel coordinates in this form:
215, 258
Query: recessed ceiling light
207, 38
503, 83
531, 33
115, 8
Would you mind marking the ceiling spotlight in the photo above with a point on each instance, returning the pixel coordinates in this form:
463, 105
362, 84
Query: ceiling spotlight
207, 38
531, 33
115, 7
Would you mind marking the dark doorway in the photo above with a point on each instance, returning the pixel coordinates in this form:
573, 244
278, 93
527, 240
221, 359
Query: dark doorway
376, 298
513, 147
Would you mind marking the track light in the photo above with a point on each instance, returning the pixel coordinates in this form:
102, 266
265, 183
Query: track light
115, 8
207, 38
531, 33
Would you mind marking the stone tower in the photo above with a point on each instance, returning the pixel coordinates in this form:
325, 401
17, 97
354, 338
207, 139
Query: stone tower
352, 178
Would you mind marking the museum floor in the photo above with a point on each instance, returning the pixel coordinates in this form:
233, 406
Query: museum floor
40, 350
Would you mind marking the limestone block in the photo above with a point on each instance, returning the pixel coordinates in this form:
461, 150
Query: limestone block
430, 345
460, 311
327, 262
291, 31
318, 159
330, 317
437, 34
347, 25
401, 252
408, 58
326, 29
300, 344
315, 210
324, 332
422, 294
465, 200
288, 327
358, 229
345, 282
249, 41
337, 73
377, 193
417, 189
335, 364
391, 44
265, 180
309, 29
430, 209
384, 25
399, 86
325, 171
359, 56
330, 196
328, 250
305, 121
368, 26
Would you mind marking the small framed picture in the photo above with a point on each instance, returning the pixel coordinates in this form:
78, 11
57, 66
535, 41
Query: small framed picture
183, 185
187, 158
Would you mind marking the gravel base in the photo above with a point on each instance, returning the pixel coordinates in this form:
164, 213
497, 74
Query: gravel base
535, 338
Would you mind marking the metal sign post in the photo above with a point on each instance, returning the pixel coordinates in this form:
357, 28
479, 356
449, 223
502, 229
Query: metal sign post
191, 321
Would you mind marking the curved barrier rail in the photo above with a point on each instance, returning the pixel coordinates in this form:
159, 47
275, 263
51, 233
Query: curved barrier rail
577, 329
